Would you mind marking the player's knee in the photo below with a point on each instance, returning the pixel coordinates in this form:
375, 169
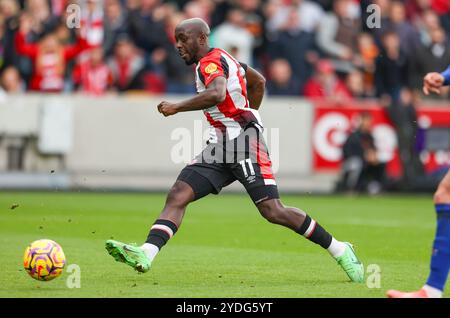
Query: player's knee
179, 195
442, 194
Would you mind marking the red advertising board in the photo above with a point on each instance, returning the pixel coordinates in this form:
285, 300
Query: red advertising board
333, 123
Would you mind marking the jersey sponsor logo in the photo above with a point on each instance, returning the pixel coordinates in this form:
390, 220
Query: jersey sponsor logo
211, 68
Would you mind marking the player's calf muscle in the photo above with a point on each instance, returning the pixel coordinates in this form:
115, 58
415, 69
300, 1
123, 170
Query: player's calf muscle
180, 195
271, 213
274, 212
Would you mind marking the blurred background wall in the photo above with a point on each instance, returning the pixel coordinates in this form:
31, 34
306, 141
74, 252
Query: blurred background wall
123, 143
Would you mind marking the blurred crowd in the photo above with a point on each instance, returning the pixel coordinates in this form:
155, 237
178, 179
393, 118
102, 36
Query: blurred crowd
312, 48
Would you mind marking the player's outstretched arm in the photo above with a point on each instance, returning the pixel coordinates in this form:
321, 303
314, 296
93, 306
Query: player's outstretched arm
214, 94
432, 82
256, 85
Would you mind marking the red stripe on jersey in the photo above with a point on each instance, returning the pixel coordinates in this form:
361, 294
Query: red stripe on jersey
227, 107
229, 110
215, 123
241, 78
263, 160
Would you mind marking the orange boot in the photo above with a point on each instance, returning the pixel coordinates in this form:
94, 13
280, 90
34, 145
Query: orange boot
398, 294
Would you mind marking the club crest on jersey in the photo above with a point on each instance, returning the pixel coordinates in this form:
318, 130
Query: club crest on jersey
211, 68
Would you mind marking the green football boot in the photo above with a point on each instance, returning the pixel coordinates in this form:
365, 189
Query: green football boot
351, 264
129, 254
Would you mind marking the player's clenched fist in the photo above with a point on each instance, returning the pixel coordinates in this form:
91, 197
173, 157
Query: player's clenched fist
167, 108
432, 82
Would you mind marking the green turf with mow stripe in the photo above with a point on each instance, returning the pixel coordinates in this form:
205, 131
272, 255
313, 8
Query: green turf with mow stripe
223, 249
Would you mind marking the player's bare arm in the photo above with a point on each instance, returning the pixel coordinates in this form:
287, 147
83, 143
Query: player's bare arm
213, 95
256, 85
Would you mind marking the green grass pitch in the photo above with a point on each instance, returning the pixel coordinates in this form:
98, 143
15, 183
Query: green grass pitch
223, 249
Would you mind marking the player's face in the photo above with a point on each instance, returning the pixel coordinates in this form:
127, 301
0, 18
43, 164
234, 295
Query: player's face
187, 45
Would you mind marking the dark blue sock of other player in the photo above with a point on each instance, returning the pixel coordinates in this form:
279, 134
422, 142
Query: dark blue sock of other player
440, 259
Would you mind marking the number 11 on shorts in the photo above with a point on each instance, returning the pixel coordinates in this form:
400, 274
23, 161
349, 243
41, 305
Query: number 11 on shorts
244, 168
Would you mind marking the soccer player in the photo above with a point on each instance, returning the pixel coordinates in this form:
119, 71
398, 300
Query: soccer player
440, 258
229, 94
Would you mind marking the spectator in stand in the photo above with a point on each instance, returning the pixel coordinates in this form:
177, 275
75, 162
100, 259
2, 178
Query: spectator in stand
295, 46
92, 25
9, 8
147, 29
131, 5
11, 82
49, 57
338, 33
355, 84
93, 76
127, 65
281, 80
58, 7
180, 78
416, 8
361, 169
442, 8
310, 14
365, 61
391, 67
428, 22
9, 11
402, 114
116, 22
232, 34
199, 9
398, 23
256, 31
219, 14
427, 58
325, 83
43, 21
254, 21
384, 10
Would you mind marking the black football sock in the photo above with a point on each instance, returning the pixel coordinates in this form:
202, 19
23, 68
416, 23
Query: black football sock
161, 231
315, 233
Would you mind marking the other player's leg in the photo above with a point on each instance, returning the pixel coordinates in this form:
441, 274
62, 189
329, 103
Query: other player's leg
440, 258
